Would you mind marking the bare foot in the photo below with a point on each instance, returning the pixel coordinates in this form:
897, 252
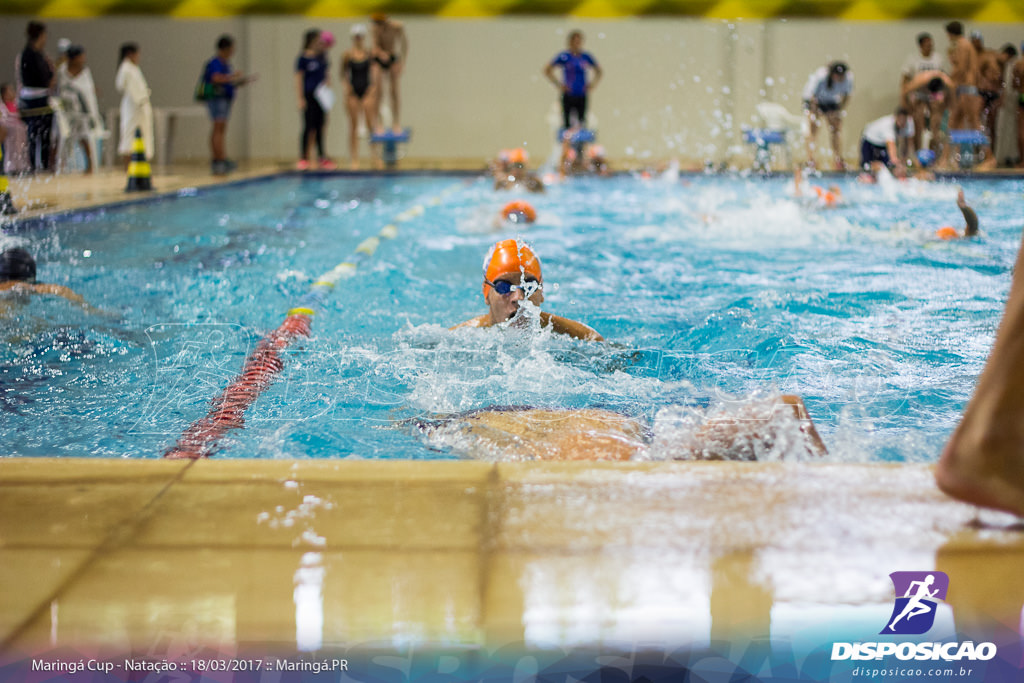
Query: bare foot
983, 468
986, 165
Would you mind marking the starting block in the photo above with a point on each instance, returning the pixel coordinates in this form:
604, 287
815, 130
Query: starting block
389, 141
968, 140
763, 139
582, 136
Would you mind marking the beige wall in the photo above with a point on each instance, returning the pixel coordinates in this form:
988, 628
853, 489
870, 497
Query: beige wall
672, 88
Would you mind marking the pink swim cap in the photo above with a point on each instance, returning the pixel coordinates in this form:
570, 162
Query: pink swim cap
327, 37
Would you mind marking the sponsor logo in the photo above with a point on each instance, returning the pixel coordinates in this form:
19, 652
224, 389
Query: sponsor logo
917, 598
918, 595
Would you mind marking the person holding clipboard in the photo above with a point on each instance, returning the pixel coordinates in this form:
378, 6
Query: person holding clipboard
315, 97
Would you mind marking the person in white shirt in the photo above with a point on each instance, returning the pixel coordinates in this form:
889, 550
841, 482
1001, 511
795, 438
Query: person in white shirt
136, 109
882, 140
825, 96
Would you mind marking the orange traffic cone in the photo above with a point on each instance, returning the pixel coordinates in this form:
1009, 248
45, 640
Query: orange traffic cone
139, 174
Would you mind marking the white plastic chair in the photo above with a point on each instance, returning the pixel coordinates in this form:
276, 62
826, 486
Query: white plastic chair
73, 125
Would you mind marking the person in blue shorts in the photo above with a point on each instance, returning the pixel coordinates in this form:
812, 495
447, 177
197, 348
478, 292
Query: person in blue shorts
224, 79
574, 87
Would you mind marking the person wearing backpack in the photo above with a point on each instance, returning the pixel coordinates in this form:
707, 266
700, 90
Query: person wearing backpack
217, 89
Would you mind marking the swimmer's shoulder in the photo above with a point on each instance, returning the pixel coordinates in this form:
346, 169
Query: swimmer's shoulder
479, 321
572, 328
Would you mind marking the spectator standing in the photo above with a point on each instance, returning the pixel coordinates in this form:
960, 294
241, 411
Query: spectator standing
574, 86
136, 109
359, 75
390, 50
36, 75
312, 85
219, 73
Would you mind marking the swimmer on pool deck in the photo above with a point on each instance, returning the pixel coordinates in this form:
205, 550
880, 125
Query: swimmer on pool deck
18, 277
948, 232
512, 274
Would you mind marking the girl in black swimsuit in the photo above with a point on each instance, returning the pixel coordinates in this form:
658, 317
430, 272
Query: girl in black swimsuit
360, 73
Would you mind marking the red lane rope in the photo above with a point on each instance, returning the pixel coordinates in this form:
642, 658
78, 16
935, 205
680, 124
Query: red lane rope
228, 410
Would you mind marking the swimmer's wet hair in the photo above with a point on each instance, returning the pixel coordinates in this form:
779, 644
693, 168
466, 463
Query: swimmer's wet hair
18, 265
955, 28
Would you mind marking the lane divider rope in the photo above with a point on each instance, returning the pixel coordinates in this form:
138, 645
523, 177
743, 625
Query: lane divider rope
227, 411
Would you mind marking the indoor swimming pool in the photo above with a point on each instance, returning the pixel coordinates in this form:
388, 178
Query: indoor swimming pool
709, 290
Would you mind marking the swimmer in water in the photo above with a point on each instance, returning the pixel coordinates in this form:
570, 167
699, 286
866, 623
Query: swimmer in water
518, 212
827, 198
18, 279
948, 232
779, 425
512, 274
510, 172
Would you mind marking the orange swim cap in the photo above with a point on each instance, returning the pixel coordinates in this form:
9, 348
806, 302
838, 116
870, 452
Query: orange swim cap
828, 197
510, 256
519, 206
517, 156
947, 232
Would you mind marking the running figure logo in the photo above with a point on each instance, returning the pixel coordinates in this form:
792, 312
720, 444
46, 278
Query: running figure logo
914, 612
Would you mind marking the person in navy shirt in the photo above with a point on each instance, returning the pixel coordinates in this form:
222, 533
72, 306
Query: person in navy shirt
310, 73
574, 86
224, 79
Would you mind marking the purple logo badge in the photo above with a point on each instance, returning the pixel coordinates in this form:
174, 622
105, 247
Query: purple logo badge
917, 598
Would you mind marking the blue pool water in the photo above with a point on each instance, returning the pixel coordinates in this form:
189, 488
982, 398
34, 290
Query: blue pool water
708, 289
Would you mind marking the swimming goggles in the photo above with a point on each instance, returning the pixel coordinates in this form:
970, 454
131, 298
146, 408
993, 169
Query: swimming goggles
504, 287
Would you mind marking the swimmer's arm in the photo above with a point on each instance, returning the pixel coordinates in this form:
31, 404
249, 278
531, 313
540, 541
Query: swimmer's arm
71, 295
969, 216
572, 328
61, 291
549, 73
479, 321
